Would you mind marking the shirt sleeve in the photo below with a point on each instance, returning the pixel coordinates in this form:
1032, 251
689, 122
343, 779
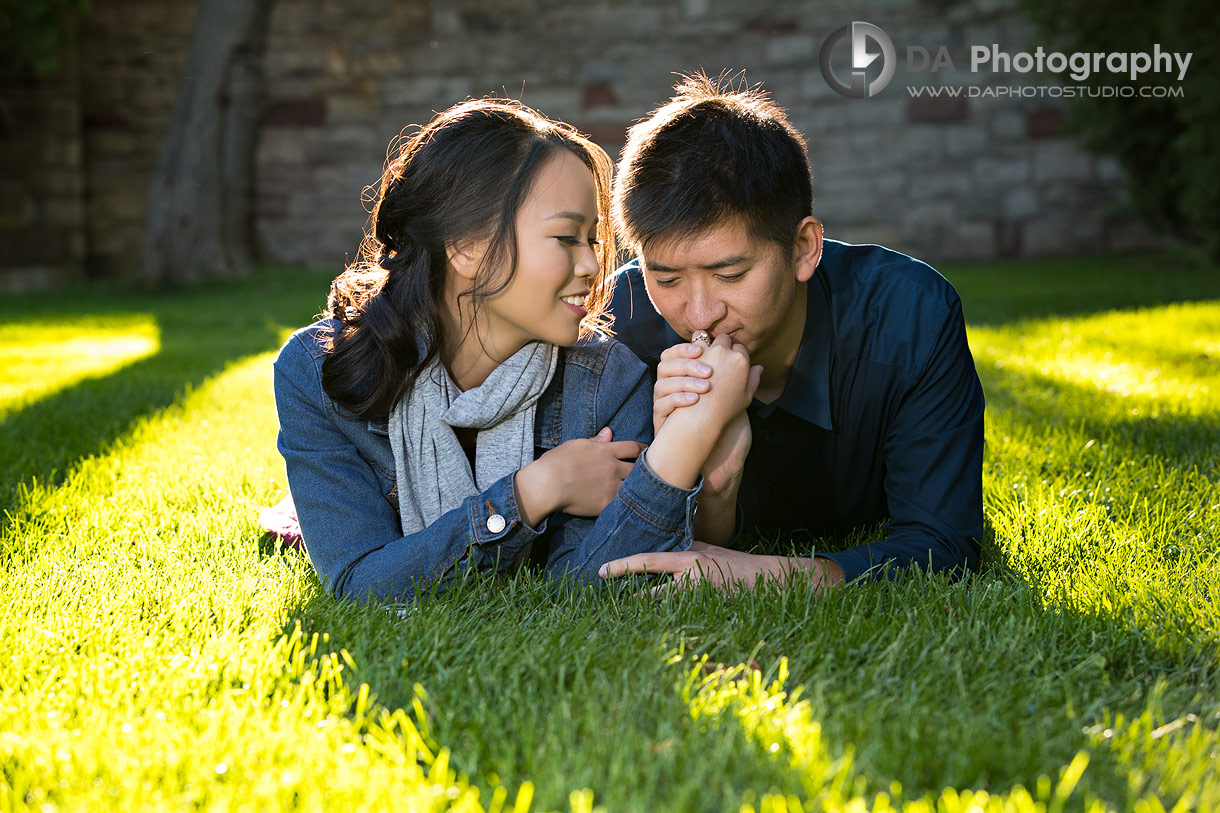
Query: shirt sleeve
648, 513
934, 462
351, 530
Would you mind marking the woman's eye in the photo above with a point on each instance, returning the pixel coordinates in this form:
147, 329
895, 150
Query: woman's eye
573, 240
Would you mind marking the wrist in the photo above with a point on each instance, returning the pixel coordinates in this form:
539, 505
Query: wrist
722, 490
821, 572
678, 454
826, 572
537, 496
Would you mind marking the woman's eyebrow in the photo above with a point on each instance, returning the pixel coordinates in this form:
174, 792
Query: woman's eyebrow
577, 216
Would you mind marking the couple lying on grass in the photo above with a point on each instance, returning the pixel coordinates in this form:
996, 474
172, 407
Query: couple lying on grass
463, 407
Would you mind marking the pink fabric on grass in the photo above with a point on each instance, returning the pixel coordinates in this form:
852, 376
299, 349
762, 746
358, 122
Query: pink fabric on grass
280, 520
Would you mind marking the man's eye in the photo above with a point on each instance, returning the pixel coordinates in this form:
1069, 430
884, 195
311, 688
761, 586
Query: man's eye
666, 283
730, 277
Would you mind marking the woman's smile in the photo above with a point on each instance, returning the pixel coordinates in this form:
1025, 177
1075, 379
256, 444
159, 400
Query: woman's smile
577, 303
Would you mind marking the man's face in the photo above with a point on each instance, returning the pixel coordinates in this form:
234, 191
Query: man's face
722, 280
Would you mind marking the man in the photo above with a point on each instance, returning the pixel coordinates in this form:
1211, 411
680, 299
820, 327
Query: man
868, 408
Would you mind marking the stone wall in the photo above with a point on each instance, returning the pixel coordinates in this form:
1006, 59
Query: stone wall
943, 178
42, 204
132, 57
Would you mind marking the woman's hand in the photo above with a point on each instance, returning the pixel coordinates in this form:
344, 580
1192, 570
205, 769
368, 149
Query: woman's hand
730, 388
691, 436
579, 477
682, 376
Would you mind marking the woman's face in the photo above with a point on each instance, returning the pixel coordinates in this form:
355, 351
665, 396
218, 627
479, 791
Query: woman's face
557, 260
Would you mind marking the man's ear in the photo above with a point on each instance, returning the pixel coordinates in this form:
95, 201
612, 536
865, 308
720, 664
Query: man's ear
807, 248
465, 256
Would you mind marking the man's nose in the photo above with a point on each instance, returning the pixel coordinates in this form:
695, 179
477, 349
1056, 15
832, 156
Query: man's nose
703, 310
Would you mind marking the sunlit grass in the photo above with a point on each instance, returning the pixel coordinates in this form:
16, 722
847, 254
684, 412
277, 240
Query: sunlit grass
1153, 359
157, 654
39, 357
1120, 412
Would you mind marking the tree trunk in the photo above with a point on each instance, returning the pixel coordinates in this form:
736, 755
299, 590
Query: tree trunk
201, 199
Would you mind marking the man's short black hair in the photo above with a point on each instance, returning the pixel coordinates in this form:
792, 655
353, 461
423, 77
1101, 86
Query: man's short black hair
712, 153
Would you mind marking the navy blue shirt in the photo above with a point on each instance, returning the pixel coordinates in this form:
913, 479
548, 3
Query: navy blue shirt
881, 418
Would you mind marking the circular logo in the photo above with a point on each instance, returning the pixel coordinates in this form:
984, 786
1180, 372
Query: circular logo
861, 58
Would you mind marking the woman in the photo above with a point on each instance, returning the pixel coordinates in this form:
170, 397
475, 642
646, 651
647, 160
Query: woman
460, 406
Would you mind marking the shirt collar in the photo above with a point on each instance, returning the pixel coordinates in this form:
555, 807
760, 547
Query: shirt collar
807, 393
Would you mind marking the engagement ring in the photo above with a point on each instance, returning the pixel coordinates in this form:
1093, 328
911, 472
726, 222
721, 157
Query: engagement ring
701, 337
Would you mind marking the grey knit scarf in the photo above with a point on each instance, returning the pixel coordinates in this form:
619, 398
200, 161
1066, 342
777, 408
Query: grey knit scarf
432, 470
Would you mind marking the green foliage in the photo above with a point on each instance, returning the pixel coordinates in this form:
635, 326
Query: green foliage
1166, 145
156, 653
34, 32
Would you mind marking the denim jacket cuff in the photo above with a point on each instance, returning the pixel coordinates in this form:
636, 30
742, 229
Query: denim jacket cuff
660, 504
496, 520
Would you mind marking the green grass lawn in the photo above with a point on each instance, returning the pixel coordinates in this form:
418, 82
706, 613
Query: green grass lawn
157, 654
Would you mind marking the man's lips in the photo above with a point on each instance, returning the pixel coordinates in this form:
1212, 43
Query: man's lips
734, 334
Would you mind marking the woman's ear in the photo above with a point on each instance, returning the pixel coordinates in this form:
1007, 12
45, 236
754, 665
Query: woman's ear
465, 256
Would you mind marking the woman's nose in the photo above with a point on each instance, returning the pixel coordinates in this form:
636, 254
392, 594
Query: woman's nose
587, 265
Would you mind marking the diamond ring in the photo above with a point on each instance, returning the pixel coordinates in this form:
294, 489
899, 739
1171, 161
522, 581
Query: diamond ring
701, 337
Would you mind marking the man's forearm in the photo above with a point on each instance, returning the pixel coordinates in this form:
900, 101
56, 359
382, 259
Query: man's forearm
716, 520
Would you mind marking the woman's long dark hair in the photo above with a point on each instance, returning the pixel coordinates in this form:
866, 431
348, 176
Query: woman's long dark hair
464, 175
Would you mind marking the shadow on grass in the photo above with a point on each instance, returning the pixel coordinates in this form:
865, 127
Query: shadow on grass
922, 681
201, 332
526, 685
1131, 427
1000, 293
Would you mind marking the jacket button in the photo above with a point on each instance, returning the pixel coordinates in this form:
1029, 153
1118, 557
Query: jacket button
496, 523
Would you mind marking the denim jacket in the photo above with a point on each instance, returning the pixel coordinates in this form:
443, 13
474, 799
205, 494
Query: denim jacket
341, 475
